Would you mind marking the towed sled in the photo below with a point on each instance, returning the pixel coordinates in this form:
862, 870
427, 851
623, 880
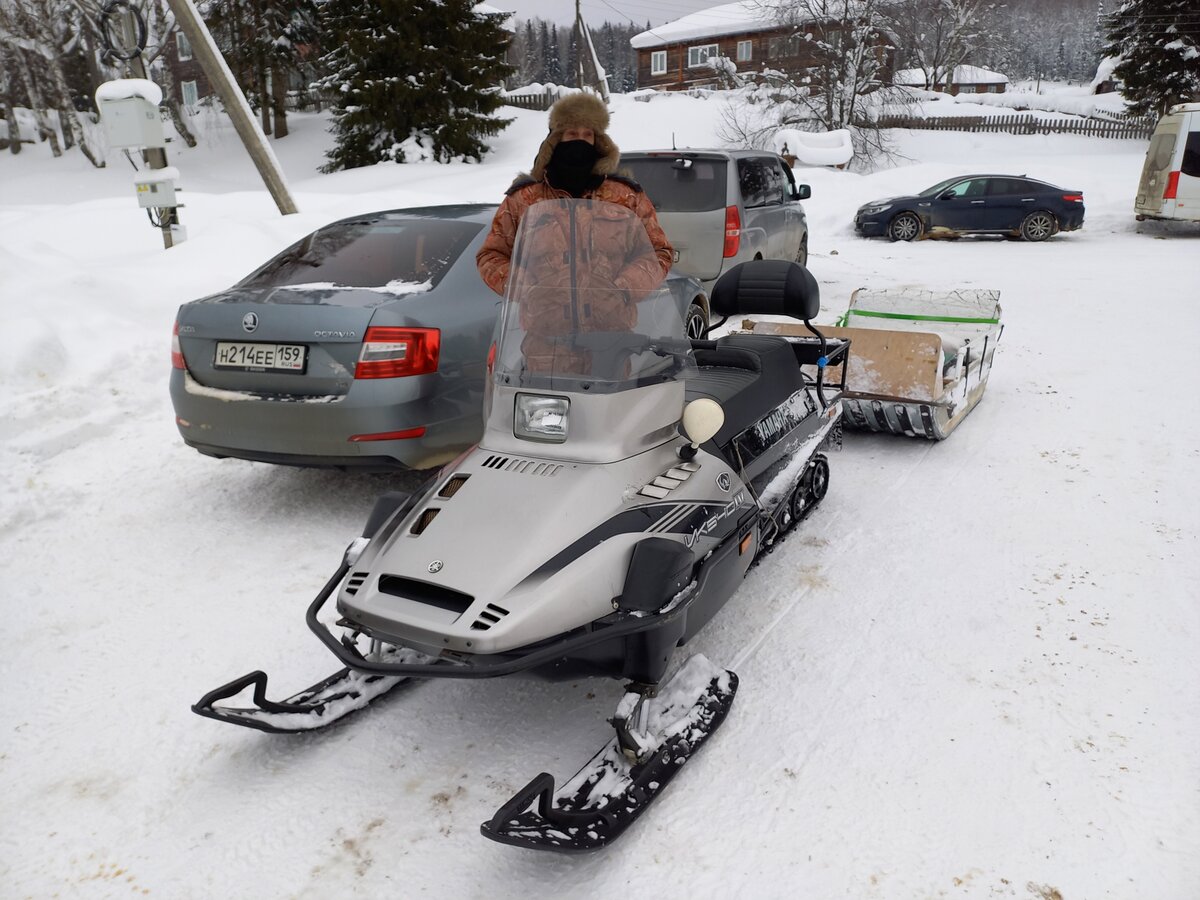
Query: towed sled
639, 475
921, 358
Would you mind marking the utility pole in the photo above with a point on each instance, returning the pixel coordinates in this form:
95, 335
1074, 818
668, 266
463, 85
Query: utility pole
205, 50
156, 157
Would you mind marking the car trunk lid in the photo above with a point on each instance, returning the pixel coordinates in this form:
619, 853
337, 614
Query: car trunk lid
264, 341
689, 193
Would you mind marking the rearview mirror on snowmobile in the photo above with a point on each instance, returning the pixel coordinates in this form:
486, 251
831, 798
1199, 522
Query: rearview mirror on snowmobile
773, 287
702, 419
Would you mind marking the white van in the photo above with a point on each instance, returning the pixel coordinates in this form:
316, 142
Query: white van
1170, 186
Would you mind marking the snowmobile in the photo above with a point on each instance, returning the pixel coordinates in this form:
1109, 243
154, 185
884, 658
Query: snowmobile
641, 473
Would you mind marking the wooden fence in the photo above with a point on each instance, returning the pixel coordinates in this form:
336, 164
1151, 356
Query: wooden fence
1103, 128
541, 102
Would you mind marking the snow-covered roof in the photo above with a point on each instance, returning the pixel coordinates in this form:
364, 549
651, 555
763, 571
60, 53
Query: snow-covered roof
729, 18
961, 75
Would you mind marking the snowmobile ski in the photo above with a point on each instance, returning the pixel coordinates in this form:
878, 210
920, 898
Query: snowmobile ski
604, 798
318, 706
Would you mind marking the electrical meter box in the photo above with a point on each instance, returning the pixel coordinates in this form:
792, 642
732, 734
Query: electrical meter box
156, 188
129, 113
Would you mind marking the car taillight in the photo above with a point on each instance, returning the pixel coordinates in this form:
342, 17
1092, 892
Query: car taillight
1075, 198
733, 231
396, 352
1172, 187
176, 350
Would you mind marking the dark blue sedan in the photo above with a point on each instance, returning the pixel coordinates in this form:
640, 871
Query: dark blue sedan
1011, 205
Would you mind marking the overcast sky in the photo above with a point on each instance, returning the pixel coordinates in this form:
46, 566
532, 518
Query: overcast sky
597, 12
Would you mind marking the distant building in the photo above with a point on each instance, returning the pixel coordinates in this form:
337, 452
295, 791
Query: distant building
675, 56
191, 84
963, 80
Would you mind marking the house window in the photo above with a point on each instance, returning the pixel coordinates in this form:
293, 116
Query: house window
190, 95
787, 45
698, 56
183, 46
745, 50
993, 88
658, 62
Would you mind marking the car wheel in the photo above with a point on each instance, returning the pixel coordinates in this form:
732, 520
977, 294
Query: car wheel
802, 252
905, 227
1038, 226
697, 322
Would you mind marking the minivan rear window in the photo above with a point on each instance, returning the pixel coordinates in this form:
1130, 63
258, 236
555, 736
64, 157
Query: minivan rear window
1162, 148
678, 187
370, 253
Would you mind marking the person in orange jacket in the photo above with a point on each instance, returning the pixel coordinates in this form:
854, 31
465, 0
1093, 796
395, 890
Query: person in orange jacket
577, 159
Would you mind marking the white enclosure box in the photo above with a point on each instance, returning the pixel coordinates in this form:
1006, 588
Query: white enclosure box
156, 187
129, 112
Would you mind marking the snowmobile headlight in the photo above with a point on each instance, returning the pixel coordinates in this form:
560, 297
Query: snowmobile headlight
539, 418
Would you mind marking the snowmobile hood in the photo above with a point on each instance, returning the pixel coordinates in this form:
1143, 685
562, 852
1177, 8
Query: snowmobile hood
451, 575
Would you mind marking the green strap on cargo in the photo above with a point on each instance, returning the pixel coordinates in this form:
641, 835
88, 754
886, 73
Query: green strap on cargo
844, 320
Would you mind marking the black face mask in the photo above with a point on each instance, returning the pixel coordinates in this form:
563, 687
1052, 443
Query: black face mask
570, 167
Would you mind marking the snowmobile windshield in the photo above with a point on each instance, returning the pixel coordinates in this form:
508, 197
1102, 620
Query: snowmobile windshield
586, 307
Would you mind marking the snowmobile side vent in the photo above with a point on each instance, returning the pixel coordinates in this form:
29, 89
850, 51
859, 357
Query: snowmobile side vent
423, 520
354, 582
423, 592
490, 616
495, 462
450, 488
530, 467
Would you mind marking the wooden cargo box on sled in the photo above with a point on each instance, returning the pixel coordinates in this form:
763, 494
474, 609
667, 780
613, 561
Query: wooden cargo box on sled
919, 359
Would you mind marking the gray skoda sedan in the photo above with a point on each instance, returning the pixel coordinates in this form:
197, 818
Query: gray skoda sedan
364, 345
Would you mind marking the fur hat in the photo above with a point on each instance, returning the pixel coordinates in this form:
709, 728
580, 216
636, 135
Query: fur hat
579, 111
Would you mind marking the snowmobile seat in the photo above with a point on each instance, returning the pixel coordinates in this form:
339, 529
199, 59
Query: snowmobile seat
748, 374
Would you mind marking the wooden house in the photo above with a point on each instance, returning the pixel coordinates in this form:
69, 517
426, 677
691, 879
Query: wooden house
675, 56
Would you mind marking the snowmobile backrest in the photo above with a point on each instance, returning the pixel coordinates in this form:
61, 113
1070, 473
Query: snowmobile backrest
771, 287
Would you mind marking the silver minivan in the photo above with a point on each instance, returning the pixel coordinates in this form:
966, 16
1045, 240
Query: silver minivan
1170, 185
723, 207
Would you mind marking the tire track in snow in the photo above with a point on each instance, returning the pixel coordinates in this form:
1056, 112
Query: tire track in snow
782, 553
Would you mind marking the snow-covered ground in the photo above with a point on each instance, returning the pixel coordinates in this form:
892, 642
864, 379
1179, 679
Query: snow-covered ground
973, 672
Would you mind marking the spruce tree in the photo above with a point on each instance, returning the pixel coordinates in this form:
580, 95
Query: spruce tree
554, 71
1158, 42
531, 65
424, 70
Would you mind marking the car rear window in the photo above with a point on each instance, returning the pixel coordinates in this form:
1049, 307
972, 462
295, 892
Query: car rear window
676, 184
370, 253
1011, 186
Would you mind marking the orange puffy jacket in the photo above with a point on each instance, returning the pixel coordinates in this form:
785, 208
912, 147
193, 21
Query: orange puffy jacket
495, 255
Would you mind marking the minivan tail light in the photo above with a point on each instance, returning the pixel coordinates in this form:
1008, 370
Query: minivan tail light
1172, 187
396, 352
1073, 198
733, 231
176, 350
